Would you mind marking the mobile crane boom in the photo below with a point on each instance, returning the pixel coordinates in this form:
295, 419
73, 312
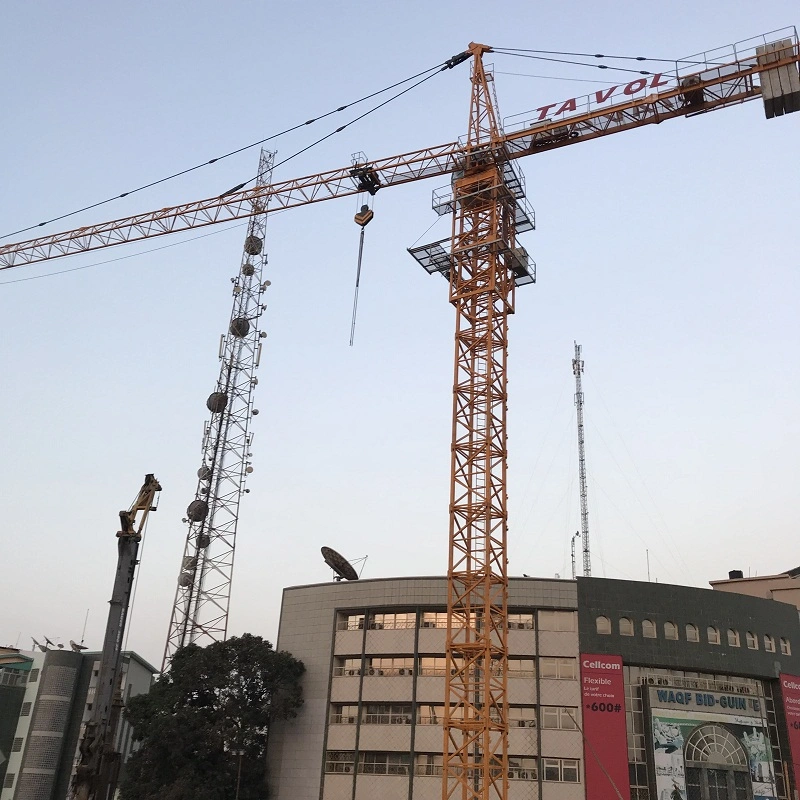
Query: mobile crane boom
483, 268
97, 770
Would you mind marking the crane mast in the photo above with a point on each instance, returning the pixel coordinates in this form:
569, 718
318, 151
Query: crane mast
202, 596
98, 766
577, 370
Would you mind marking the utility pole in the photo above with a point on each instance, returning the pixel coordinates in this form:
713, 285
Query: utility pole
577, 369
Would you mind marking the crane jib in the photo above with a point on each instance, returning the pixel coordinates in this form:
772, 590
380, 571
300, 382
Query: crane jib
769, 71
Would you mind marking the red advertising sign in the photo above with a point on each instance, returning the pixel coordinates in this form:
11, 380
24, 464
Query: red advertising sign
790, 689
605, 741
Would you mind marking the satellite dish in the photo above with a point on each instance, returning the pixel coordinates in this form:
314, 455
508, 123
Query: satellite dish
339, 564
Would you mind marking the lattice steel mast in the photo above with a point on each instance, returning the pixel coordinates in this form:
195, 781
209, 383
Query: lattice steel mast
483, 267
202, 597
577, 369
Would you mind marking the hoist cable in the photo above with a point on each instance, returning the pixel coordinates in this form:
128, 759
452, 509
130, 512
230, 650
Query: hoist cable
439, 67
576, 63
358, 281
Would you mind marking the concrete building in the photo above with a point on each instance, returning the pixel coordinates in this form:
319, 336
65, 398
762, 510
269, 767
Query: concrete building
784, 587
690, 698
57, 694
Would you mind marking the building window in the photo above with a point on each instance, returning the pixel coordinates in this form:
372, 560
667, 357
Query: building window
603, 625
387, 714
556, 620
559, 718
769, 643
339, 761
393, 621
349, 622
648, 629
433, 666
786, 648
344, 714
670, 630
379, 666
16, 745
25, 711
384, 763
429, 764
733, 638
521, 768
520, 622
625, 626
8, 783
434, 619
33, 676
712, 634
692, 634
564, 770
521, 717
564, 669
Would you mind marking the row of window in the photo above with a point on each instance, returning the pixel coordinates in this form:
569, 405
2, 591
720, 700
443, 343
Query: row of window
398, 620
562, 770
551, 667
549, 717
692, 632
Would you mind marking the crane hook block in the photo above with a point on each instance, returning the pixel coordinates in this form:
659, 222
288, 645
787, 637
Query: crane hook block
364, 217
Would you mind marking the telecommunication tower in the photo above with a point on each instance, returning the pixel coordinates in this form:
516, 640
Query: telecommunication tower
202, 597
577, 369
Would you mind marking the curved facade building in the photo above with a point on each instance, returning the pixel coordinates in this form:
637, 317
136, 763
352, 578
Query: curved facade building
616, 689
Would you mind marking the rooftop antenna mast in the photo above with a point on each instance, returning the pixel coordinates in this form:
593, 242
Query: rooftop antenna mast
577, 370
202, 597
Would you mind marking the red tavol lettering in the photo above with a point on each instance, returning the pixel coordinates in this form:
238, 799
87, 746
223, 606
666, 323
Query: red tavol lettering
656, 82
602, 96
635, 86
568, 106
544, 109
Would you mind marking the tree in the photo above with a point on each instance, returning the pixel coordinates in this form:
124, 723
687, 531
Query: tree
203, 727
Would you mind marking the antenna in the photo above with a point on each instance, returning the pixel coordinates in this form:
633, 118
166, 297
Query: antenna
339, 564
577, 369
576, 535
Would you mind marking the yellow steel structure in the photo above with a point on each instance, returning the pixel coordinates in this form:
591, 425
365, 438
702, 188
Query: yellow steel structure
481, 270
475, 753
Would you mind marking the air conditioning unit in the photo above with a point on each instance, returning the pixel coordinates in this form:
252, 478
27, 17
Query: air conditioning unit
371, 671
523, 775
651, 680
531, 723
401, 671
376, 626
350, 720
521, 723
352, 672
380, 672
663, 682
348, 768
428, 624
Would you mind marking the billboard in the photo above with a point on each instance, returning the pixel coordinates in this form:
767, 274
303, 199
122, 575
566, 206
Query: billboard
605, 736
790, 691
739, 739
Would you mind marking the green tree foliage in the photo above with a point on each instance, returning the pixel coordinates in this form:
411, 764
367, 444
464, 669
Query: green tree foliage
207, 718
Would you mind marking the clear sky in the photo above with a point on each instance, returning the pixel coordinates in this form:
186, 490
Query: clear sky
668, 252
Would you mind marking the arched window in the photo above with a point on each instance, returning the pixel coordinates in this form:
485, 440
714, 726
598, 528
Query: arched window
692, 634
625, 626
603, 624
648, 629
769, 643
786, 648
752, 640
713, 635
670, 630
716, 764
733, 638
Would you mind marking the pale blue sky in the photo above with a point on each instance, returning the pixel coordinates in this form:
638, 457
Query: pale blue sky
668, 252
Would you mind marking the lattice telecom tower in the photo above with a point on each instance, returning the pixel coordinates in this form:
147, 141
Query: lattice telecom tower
577, 369
202, 597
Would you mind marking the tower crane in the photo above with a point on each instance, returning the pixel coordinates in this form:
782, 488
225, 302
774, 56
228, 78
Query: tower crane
98, 768
483, 266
